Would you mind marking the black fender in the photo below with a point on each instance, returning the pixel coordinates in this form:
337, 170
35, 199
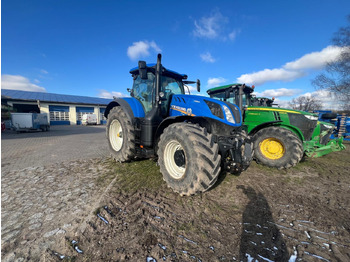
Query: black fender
213, 126
263, 125
168, 121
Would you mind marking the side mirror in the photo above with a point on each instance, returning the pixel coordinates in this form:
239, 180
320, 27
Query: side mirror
198, 85
143, 69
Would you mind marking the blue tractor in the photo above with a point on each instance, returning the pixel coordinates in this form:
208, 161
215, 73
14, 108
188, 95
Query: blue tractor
194, 137
341, 122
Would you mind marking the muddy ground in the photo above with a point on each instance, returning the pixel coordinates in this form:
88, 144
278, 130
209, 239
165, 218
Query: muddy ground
300, 214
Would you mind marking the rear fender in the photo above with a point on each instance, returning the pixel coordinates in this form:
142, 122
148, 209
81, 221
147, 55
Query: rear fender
131, 106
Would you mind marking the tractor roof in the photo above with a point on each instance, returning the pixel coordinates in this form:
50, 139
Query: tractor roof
219, 89
166, 72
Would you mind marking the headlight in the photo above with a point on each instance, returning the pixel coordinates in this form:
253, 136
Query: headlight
311, 117
328, 126
229, 116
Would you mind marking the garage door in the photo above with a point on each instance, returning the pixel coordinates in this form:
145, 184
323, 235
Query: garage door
102, 117
59, 115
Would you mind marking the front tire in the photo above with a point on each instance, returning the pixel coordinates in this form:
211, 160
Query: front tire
188, 158
121, 135
277, 147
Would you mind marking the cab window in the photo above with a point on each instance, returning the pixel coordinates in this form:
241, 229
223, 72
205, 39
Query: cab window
143, 90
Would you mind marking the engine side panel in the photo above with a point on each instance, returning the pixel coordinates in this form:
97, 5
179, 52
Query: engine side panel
197, 106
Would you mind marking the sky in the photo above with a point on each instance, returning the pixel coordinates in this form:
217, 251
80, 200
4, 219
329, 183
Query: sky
87, 47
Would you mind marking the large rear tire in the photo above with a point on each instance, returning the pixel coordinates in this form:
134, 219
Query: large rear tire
277, 147
188, 158
121, 135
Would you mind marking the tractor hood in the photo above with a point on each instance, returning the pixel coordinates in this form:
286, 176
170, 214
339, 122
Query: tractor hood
206, 107
311, 116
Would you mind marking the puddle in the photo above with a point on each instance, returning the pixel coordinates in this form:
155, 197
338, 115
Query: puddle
152, 206
162, 246
60, 256
109, 211
318, 231
75, 246
191, 256
159, 218
265, 259
188, 240
151, 259
305, 221
307, 234
317, 256
294, 256
280, 226
102, 218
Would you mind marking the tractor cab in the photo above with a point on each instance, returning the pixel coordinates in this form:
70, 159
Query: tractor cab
151, 93
239, 94
262, 101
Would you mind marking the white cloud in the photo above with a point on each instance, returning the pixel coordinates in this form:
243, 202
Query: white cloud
315, 60
233, 35
106, 94
17, 82
269, 75
190, 88
327, 99
209, 27
215, 81
142, 49
207, 57
43, 71
278, 92
295, 69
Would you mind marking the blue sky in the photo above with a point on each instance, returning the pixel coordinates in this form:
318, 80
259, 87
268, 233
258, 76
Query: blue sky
87, 47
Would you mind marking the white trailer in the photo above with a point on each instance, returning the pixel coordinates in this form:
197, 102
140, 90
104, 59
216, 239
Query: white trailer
29, 122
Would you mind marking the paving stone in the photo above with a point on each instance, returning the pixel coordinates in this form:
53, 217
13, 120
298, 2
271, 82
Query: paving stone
43, 198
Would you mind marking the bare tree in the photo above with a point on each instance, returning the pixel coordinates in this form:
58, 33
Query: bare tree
305, 103
336, 77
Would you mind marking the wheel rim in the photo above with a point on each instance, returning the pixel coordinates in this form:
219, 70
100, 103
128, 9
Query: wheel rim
116, 135
272, 148
175, 159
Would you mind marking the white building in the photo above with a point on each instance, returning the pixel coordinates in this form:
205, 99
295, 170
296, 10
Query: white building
61, 109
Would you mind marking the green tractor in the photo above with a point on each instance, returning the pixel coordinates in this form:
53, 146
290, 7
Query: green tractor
281, 136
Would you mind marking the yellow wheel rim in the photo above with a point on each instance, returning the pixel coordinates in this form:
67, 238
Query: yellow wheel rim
272, 148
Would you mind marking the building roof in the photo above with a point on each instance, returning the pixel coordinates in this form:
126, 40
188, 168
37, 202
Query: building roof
50, 97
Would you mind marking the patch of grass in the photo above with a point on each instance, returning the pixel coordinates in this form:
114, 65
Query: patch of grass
136, 175
187, 227
291, 179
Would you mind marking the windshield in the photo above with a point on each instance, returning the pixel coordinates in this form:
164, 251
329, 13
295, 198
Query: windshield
143, 91
171, 85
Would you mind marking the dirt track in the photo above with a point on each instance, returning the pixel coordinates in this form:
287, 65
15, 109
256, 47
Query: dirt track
301, 214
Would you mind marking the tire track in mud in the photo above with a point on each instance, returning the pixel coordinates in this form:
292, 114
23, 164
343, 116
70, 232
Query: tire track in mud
146, 226
261, 215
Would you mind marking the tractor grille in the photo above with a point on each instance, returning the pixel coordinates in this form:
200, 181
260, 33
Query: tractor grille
325, 139
305, 125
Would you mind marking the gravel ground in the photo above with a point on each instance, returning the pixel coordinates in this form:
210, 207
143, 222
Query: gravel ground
49, 185
60, 144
